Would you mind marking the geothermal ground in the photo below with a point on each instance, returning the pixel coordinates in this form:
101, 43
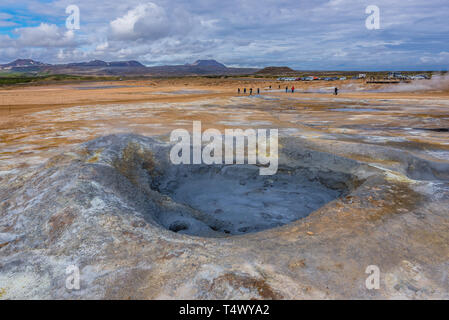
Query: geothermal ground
85, 180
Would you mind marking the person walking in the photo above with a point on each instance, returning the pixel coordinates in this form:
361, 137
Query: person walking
250, 91
286, 89
258, 91
238, 90
335, 91
293, 89
244, 90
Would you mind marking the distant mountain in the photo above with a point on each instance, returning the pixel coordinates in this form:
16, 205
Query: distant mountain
100, 63
209, 64
23, 63
93, 63
276, 71
125, 68
131, 63
199, 67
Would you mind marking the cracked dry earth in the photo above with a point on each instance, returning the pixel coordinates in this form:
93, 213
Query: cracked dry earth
349, 193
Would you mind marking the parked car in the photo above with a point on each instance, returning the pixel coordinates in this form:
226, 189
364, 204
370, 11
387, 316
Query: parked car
395, 75
420, 77
286, 79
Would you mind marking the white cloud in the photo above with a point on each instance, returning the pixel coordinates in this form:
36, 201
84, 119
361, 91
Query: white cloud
123, 28
150, 22
45, 35
7, 23
5, 20
441, 58
102, 46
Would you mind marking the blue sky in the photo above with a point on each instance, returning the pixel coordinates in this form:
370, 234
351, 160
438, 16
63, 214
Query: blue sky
308, 35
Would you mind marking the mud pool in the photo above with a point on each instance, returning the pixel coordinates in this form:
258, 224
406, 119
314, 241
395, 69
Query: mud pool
238, 200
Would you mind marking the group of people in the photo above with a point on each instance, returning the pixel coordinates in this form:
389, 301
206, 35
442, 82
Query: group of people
250, 91
286, 90
293, 90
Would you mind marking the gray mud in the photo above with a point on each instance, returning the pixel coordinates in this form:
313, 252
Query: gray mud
242, 201
223, 200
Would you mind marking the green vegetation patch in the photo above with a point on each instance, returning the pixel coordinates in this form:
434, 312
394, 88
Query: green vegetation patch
20, 78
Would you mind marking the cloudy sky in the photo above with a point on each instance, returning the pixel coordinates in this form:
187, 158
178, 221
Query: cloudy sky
319, 34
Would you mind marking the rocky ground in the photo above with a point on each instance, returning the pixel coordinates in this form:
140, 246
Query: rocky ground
99, 207
375, 168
